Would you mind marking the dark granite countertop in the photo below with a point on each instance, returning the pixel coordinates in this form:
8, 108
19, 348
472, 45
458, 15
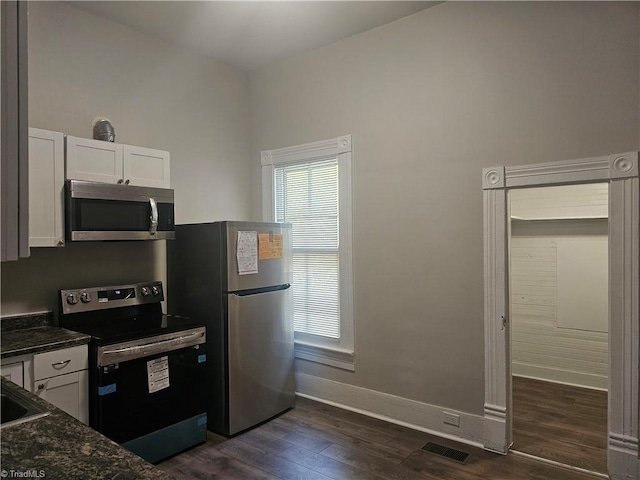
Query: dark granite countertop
60, 447
34, 333
39, 339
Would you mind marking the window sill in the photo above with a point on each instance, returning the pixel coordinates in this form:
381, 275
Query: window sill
334, 357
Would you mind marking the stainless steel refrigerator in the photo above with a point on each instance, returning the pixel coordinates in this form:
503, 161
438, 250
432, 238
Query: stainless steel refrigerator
235, 277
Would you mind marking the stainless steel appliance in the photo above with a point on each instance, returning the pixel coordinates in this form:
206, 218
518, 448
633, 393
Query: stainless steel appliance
103, 211
147, 370
235, 278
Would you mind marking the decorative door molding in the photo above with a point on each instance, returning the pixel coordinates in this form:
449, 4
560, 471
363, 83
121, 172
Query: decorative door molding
621, 172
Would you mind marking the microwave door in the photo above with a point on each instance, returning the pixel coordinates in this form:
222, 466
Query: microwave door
121, 213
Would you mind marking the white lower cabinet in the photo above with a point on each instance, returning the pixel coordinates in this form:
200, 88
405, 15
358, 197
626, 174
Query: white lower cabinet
17, 370
13, 372
61, 378
67, 392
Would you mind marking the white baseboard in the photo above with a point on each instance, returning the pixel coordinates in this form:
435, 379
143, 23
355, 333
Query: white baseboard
567, 377
623, 457
401, 411
559, 464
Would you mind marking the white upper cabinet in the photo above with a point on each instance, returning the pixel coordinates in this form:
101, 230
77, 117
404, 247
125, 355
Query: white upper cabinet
46, 188
144, 166
107, 162
94, 160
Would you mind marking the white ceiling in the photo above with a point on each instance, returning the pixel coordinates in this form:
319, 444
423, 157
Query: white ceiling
251, 34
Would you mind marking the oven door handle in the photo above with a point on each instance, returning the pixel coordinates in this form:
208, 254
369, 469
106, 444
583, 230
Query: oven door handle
129, 351
154, 345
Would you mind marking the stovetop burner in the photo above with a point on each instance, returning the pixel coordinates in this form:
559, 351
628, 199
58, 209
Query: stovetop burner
119, 313
135, 327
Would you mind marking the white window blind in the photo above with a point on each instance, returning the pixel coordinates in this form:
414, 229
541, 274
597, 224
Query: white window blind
309, 186
306, 195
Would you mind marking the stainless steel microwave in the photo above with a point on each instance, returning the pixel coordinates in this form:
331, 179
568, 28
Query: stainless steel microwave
104, 211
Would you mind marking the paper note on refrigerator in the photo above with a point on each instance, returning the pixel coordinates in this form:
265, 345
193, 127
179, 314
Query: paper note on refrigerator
270, 246
247, 252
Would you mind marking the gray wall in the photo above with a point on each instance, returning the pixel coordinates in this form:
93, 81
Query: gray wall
430, 100
158, 96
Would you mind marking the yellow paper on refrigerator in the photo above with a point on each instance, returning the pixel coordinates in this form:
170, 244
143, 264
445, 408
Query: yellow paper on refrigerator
270, 246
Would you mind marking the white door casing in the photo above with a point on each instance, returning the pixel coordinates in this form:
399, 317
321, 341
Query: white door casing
621, 172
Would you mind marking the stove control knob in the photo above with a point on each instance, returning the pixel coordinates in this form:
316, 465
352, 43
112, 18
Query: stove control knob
72, 299
85, 297
145, 291
155, 290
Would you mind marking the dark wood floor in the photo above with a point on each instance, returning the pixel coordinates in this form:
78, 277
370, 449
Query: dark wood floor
317, 441
559, 422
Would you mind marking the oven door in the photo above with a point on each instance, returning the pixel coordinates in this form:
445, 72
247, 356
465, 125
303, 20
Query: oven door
148, 385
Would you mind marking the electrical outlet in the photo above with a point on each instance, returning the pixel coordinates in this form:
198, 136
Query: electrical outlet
451, 419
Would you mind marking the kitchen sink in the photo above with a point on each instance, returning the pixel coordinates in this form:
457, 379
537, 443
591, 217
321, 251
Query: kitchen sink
16, 409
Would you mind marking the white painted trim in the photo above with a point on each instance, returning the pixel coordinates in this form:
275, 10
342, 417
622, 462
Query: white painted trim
623, 165
497, 436
391, 408
583, 170
623, 456
554, 219
621, 171
321, 350
558, 464
563, 377
345, 253
268, 194
568, 171
315, 150
624, 294
493, 177
335, 357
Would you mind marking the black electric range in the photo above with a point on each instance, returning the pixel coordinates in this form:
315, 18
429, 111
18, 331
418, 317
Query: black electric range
146, 369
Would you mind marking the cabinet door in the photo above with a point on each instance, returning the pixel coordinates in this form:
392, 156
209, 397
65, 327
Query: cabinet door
46, 188
94, 160
14, 141
13, 372
68, 392
146, 167
60, 362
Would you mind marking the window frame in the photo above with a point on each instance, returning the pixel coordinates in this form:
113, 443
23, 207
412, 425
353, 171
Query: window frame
334, 352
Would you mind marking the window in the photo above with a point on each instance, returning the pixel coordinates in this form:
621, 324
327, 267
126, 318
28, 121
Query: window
309, 186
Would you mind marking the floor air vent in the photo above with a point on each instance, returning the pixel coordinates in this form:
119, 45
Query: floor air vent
451, 453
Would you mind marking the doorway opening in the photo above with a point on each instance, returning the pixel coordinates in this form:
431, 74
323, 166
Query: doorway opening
620, 171
558, 294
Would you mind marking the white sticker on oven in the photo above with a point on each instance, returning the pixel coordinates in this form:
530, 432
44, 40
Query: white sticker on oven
158, 374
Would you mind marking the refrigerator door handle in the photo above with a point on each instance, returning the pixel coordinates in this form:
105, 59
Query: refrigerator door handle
255, 291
